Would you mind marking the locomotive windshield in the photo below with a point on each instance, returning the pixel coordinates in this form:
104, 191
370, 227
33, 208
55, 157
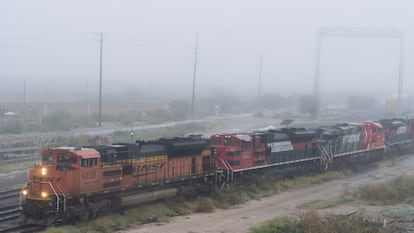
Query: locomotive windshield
215, 141
64, 159
47, 159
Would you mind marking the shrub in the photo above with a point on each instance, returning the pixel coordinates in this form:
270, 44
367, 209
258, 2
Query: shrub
312, 222
396, 190
205, 205
155, 212
282, 225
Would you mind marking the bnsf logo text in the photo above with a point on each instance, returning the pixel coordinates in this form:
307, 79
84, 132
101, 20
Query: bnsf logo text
150, 167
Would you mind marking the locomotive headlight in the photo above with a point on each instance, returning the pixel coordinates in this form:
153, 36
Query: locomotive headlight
24, 192
44, 170
43, 194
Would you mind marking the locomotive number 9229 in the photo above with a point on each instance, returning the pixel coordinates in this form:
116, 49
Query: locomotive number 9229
88, 175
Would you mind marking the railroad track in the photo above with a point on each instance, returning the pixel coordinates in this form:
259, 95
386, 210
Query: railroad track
11, 212
19, 154
21, 159
11, 193
22, 228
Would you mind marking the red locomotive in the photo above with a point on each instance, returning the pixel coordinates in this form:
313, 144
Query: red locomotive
235, 153
83, 182
349, 141
398, 133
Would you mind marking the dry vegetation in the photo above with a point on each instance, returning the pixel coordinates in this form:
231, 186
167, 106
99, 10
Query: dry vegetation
398, 192
312, 222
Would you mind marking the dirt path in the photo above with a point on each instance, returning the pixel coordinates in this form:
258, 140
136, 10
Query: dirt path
244, 217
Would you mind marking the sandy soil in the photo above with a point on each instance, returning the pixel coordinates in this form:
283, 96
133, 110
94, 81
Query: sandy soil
290, 203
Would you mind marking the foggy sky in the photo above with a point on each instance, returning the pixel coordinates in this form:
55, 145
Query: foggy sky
149, 46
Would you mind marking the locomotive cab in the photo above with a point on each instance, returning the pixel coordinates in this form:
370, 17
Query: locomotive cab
54, 180
228, 149
238, 151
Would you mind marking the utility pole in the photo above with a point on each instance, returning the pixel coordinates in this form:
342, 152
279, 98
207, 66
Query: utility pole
259, 90
400, 75
24, 98
100, 81
87, 96
44, 111
195, 75
316, 94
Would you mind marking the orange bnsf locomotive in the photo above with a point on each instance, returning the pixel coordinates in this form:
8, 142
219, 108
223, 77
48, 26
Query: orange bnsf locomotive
72, 183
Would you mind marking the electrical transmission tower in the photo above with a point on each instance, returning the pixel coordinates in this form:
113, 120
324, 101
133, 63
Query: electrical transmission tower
370, 32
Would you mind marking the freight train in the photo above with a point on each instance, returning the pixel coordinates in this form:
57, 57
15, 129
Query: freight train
72, 183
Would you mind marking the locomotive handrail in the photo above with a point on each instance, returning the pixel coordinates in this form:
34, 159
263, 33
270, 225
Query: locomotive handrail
231, 169
228, 168
57, 197
64, 198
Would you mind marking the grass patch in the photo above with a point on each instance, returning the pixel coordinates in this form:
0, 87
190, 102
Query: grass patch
394, 191
183, 208
205, 205
65, 229
110, 223
116, 222
388, 161
311, 222
330, 202
149, 213
281, 225
410, 201
9, 167
399, 213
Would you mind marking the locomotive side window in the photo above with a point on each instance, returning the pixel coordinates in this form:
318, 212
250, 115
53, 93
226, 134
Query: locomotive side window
89, 162
231, 142
234, 163
246, 144
233, 153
